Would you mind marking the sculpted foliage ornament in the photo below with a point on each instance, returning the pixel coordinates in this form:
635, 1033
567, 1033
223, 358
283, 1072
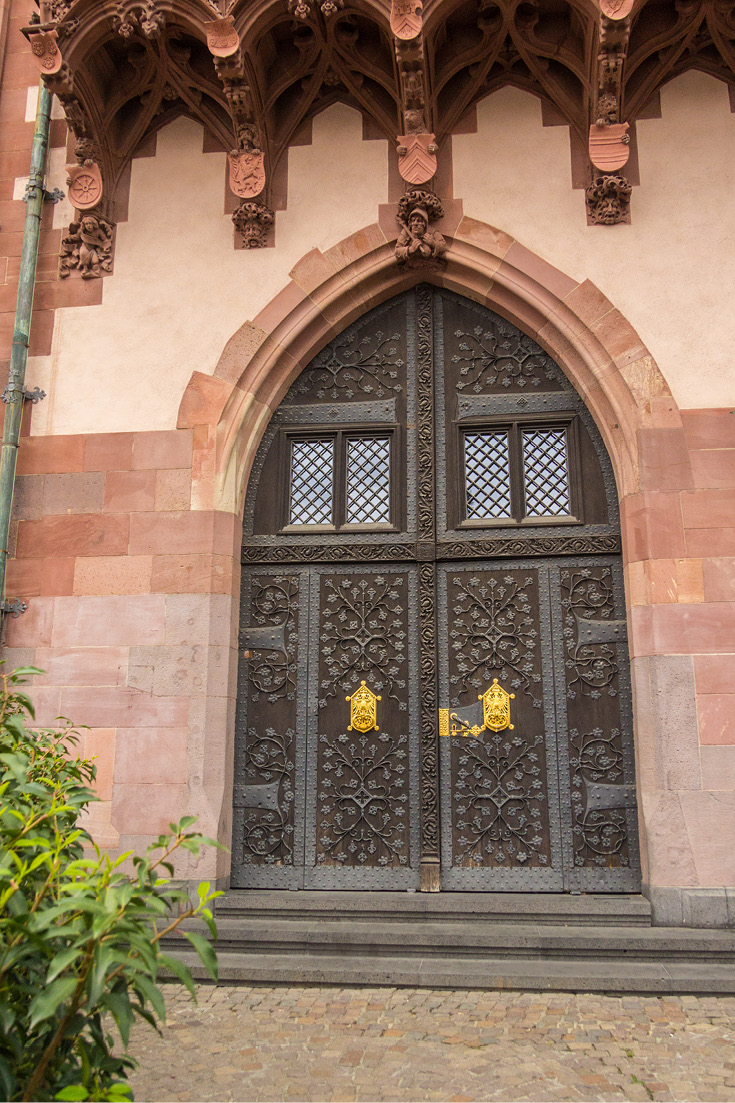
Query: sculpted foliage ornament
86, 248
608, 200
143, 15
253, 221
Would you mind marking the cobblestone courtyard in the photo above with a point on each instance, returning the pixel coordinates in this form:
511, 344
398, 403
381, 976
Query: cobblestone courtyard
418, 1044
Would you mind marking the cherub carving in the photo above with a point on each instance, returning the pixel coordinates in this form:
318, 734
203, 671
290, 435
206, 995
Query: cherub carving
87, 248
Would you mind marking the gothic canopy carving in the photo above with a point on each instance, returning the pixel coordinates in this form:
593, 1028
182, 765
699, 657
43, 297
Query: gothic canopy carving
254, 71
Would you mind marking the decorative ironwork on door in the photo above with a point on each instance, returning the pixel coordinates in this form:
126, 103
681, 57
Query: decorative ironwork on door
438, 691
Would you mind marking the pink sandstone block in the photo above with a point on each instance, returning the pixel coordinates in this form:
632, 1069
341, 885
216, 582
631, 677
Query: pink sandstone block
107, 621
714, 673
99, 743
112, 574
84, 534
716, 712
122, 707
82, 666
151, 756
719, 578
163, 448
709, 428
130, 491
148, 809
713, 467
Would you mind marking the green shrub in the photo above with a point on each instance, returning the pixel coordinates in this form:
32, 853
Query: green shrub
79, 937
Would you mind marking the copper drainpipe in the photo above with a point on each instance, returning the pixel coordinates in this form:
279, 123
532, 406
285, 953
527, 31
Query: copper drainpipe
15, 392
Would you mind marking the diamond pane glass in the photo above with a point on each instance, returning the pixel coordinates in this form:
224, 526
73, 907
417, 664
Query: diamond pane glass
312, 477
368, 480
487, 475
545, 473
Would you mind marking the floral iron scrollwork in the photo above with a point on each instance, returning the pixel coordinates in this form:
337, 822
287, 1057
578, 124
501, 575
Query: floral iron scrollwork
363, 633
272, 673
494, 630
268, 797
499, 355
587, 595
499, 802
599, 798
354, 364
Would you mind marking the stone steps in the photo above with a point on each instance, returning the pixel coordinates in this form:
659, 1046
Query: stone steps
461, 907
526, 974
461, 940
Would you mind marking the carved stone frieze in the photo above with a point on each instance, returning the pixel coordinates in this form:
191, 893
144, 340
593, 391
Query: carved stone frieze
253, 222
418, 246
608, 200
86, 248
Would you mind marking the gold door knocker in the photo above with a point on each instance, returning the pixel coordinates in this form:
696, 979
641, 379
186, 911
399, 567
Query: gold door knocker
495, 714
363, 709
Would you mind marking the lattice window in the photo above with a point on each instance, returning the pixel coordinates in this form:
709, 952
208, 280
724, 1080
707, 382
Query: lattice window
368, 480
312, 482
546, 473
487, 475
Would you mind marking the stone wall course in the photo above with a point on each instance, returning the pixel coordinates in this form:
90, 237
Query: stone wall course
122, 707
108, 451
83, 534
161, 449
112, 574
130, 491
145, 756
108, 621
33, 578
82, 666
716, 713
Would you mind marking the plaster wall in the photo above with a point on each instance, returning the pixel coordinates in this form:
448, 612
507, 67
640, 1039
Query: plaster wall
666, 272
179, 288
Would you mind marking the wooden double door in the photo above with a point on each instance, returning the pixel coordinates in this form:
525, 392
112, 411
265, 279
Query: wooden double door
434, 686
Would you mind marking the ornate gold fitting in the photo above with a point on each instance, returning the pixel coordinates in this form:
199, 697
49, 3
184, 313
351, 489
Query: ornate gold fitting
363, 709
495, 714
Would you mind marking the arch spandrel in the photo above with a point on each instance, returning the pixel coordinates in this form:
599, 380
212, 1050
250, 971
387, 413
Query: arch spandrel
574, 322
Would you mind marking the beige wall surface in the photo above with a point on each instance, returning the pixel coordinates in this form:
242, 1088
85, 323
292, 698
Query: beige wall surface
180, 290
668, 272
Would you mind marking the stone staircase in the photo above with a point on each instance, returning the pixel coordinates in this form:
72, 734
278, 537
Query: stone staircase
463, 940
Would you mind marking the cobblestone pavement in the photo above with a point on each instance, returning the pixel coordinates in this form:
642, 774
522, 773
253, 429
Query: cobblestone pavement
422, 1044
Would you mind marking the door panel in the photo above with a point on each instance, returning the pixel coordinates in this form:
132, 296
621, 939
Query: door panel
270, 731
594, 713
362, 773
458, 545
500, 794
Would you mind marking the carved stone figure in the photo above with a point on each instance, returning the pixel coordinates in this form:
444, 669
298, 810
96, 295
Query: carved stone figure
608, 200
86, 248
253, 221
418, 246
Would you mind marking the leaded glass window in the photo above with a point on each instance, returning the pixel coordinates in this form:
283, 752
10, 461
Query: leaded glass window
312, 482
368, 480
487, 475
546, 473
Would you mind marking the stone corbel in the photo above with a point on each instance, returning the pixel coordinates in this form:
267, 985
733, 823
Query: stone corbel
253, 222
608, 195
146, 16
418, 246
417, 147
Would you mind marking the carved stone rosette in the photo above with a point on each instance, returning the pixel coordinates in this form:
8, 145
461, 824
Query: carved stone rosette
86, 248
608, 200
253, 222
418, 246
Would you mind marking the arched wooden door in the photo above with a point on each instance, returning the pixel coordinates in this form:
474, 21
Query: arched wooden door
438, 688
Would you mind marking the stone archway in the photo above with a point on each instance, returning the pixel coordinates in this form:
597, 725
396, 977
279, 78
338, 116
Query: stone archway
597, 348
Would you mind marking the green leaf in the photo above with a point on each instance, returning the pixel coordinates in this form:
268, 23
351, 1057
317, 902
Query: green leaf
183, 972
205, 951
48, 1001
151, 992
118, 1004
73, 1092
61, 962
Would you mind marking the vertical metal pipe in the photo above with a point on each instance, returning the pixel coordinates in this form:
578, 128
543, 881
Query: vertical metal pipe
22, 330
